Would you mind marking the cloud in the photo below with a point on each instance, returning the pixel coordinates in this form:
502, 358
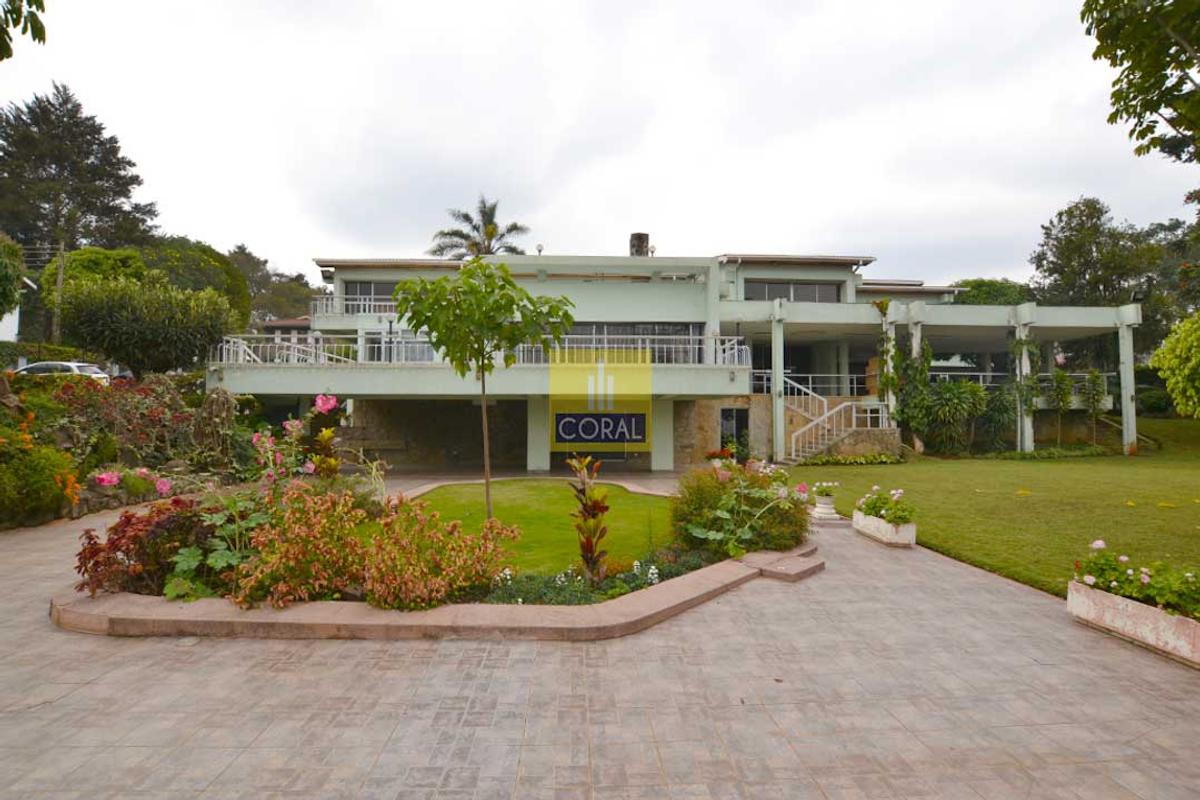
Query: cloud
936, 136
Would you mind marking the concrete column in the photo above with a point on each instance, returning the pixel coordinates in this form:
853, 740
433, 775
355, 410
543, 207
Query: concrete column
843, 361
1024, 415
537, 433
778, 419
712, 308
662, 435
1128, 408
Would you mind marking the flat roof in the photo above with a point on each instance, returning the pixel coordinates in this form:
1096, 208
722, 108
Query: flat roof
766, 258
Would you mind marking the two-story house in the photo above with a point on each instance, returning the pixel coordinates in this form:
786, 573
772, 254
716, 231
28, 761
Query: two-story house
780, 351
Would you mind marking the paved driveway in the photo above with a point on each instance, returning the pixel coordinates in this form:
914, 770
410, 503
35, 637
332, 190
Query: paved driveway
892, 674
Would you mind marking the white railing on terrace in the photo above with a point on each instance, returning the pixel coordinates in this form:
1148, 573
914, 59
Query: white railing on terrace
330, 304
802, 399
314, 349
827, 385
835, 423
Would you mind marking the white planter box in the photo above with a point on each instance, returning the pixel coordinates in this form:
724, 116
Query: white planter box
1170, 634
883, 531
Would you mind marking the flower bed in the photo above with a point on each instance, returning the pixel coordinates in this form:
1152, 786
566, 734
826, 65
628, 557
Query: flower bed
886, 517
1156, 605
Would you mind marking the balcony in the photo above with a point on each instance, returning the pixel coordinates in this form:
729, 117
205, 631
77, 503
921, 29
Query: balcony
374, 365
328, 305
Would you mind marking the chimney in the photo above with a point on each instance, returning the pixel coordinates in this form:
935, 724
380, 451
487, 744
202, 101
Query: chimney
639, 244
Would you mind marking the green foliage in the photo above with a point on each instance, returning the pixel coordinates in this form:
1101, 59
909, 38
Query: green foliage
953, 407
23, 16
32, 482
1155, 402
1087, 259
12, 267
286, 297
477, 315
728, 509
91, 262
10, 352
147, 326
851, 461
63, 180
569, 588
992, 292
999, 416
194, 265
480, 235
1051, 453
1059, 397
1178, 362
912, 389
890, 506
1095, 389
1174, 589
1153, 46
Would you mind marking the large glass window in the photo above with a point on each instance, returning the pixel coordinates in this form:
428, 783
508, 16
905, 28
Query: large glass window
364, 297
793, 291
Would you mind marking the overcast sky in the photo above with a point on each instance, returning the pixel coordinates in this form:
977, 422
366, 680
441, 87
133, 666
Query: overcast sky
936, 136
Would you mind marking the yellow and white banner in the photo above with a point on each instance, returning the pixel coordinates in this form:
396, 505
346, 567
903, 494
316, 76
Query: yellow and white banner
601, 402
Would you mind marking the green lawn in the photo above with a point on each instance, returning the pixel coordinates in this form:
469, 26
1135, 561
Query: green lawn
1029, 520
541, 508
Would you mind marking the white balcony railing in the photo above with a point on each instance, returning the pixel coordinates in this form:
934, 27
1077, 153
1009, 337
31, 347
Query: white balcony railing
330, 305
826, 385
317, 349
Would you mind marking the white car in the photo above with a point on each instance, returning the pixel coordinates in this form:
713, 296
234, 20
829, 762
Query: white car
64, 368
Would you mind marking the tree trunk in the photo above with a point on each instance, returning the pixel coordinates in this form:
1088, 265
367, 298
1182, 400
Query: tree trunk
1060, 429
487, 454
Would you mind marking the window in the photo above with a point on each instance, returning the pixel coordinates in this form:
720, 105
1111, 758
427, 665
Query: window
735, 427
366, 297
793, 291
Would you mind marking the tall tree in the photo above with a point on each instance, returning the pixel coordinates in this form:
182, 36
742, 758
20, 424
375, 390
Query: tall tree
63, 180
476, 315
24, 17
480, 235
1085, 258
258, 276
992, 292
285, 297
192, 264
1155, 45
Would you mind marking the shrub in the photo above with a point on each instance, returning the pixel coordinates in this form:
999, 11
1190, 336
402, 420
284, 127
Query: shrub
149, 420
1171, 588
952, 409
589, 517
417, 561
728, 508
34, 480
1154, 401
311, 551
890, 506
570, 588
855, 461
136, 553
1047, 453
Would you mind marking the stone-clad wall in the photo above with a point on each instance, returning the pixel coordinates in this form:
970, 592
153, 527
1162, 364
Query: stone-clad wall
698, 427
437, 434
868, 442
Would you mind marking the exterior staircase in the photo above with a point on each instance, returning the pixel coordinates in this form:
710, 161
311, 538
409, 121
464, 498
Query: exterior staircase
822, 425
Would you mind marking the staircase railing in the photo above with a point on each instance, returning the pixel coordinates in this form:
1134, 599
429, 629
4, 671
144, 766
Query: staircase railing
800, 398
837, 422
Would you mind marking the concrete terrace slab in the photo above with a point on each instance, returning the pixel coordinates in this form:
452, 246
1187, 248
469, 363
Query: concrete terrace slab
896, 674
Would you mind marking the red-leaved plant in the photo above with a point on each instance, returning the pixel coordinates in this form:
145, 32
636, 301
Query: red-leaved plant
418, 561
589, 517
135, 554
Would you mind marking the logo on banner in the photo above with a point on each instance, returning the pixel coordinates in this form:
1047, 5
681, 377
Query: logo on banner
600, 401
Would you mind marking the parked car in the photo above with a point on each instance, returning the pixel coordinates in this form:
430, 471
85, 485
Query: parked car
63, 368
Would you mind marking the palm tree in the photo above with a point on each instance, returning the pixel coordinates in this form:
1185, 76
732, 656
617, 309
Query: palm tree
480, 236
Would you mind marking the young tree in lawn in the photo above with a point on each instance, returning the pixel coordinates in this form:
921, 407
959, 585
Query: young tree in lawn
1059, 397
475, 316
1178, 362
1095, 389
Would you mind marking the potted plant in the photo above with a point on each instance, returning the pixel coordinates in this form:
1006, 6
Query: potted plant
823, 492
886, 517
1156, 606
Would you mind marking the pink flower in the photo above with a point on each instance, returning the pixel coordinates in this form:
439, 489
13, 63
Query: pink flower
309, 468
801, 488
278, 458
142, 472
324, 403
1145, 578
1122, 559
1090, 580
108, 479
292, 426
162, 486
724, 475
1098, 544
256, 438
270, 475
